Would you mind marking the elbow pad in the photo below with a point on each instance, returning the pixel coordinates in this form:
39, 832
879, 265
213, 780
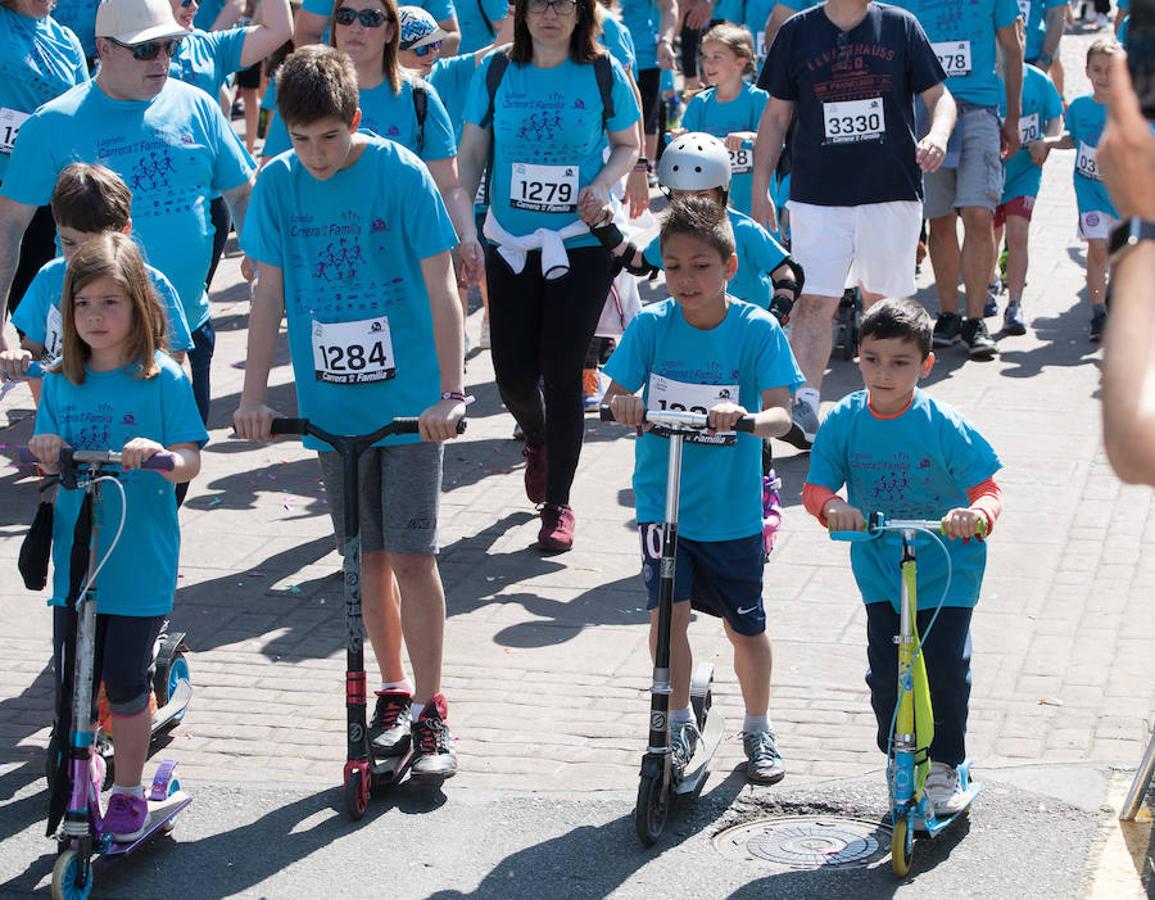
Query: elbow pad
780, 306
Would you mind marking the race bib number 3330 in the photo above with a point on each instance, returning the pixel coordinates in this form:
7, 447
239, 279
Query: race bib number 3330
353, 352
552, 189
854, 120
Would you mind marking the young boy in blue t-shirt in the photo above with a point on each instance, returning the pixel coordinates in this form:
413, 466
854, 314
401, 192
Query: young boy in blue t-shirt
354, 245
900, 452
701, 348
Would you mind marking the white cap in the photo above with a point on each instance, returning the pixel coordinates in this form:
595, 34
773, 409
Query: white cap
418, 28
137, 21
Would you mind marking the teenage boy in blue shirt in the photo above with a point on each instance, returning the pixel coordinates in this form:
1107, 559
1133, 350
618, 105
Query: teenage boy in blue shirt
701, 348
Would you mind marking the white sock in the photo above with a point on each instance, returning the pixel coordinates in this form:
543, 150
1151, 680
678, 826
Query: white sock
403, 686
751, 724
809, 396
137, 791
415, 711
679, 716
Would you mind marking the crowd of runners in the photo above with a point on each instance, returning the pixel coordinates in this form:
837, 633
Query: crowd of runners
395, 158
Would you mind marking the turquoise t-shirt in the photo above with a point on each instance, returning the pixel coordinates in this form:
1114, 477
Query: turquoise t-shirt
1034, 13
391, 116
38, 314
1085, 120
207, 13
173, 151
746, 354
918, 465
616, 38
752, 15
451, 78
207, 58
475, 33
350, 248
104, 413
962, 33
80, 17
758, 255
39, 59
1041, 106
705, 112
643, 19
548, 140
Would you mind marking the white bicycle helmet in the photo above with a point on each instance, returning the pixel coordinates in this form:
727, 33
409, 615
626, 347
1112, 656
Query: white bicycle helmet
695, 162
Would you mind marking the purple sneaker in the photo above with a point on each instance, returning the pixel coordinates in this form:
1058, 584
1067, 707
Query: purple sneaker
126, 817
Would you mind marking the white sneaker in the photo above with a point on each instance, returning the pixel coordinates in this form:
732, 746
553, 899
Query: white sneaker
944, 789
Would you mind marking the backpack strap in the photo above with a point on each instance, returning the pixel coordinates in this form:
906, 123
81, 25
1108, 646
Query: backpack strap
497, 66
604, 72
420, 107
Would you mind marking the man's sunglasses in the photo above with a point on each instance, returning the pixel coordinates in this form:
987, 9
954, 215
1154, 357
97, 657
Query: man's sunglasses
149, 50
428, 48
370, 18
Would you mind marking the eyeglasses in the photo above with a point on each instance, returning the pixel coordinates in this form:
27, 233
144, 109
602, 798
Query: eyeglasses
149, 50
370, 18
427, 49
561, 8
185, 4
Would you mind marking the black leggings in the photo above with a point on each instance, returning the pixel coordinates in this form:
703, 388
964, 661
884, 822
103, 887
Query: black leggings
36, 248
650, 87
541, 330
222, 224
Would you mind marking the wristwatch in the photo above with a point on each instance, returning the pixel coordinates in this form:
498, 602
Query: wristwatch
1127, 234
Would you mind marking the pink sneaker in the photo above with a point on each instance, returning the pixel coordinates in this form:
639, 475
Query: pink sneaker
126, 818
536, 472
557, 527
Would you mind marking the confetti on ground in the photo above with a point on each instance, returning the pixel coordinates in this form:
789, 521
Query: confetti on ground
255, 573
1050, 701
215, 501
239, 365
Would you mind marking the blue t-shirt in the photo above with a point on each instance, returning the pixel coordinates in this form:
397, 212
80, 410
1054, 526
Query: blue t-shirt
548, 140
1034, 13
1085, 120
853, 95
963, 36
1041, 105
705, 112
391, 116
752, 15
351, 249
104, 413
39, 59
758, 255
207, 13
173, 151
451, 78
643, 19
207, 58
917, 465
475, 33
38, 314
80, 17
616, 38
746, 352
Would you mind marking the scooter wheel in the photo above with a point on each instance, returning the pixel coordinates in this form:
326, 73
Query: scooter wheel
901, 848
170, 824
651, 811
166, 681
356, 802
64, 873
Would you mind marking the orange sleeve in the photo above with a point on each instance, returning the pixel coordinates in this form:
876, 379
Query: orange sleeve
814, 498
987, 498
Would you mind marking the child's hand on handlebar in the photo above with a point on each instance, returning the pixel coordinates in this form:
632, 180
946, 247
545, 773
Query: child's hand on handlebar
962, 523
136, 451
841, 516
628, 409
253, 421
14, 363
439, 422
46, 448
724, 416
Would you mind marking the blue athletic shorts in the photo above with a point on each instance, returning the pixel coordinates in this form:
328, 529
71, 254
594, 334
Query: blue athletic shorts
719, 578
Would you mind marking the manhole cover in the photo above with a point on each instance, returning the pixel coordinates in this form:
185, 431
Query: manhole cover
808, 842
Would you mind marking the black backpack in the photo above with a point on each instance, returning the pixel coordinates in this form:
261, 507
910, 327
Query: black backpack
421, 107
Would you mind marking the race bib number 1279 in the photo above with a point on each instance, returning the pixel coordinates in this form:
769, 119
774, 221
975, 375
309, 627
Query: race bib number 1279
552, 189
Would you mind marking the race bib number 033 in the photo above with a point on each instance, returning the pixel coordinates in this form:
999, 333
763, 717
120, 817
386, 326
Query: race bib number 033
741, 161
954, 56
854, 120
552, 189
10, 122
353, 352
1085, 163
666, 394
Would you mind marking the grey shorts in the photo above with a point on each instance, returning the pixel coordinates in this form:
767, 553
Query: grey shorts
978, 178
400, 488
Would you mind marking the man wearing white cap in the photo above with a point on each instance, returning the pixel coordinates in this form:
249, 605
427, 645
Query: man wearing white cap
166, 139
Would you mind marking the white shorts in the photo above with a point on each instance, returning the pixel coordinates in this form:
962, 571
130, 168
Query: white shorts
1096, 225
842, 246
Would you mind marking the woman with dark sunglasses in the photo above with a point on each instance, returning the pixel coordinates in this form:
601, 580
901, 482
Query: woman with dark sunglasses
546, 131
40, 59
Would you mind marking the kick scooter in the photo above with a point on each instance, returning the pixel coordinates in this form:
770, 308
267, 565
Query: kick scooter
912, 730
661, 781
74, 802
363, 773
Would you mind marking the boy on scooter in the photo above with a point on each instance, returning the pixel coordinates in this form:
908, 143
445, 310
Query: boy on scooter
354, 245
902, 453
703, 350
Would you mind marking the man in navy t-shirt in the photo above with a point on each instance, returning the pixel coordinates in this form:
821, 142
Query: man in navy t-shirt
847, 72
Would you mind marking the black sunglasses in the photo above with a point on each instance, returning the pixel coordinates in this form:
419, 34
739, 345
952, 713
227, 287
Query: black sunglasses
370, 18
149, 50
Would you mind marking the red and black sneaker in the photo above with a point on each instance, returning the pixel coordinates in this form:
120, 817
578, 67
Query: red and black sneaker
433, 754
536, 472
557, 526
389, 727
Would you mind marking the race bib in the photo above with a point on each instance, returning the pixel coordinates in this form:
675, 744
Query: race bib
1025, 10
760, 44
954, 56
1029, 129
552, 189
479, 197
666, 394
854, 120
741, 161
353, 352
53, 333
1085, 162
10, 122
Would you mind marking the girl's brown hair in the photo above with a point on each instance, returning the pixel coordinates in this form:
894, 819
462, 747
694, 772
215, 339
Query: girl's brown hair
389, 63
738, 39
583, 43
116, 257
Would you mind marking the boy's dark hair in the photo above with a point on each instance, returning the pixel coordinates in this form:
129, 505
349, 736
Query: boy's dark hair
902, 319
702, 218
317, 82
91, 198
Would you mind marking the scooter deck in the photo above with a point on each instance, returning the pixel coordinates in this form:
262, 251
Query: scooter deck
695, 772
933, 824
390, 770
159, 813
